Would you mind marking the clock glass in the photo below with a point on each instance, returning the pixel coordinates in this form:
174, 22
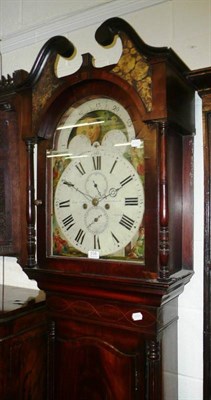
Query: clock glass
96, 196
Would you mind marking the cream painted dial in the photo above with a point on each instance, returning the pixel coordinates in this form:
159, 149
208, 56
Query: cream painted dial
96, 199
99, 202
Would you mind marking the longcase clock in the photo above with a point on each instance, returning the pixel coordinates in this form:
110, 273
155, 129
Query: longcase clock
114, 215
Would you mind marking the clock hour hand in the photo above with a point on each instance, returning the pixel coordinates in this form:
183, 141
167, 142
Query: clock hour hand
77, 190
112, 193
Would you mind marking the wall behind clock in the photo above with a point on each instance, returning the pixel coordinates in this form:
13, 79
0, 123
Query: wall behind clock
184, 25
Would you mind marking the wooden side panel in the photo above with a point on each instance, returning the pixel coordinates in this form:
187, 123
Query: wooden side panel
23, 346
9, 184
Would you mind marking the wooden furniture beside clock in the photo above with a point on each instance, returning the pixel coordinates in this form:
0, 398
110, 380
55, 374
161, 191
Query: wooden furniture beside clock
23, 322
23, 329
23, 351
201, 79
111, 261
14, 125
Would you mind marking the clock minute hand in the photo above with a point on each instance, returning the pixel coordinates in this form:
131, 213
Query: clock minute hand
77, 190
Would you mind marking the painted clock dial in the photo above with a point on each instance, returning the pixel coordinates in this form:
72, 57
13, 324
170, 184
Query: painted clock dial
97, 191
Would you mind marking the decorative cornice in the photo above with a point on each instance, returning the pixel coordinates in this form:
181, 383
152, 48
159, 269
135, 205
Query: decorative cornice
72, 22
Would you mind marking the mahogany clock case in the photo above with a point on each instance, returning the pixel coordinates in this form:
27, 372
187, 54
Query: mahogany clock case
111, 320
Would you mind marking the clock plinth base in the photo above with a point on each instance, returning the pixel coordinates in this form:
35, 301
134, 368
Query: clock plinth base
107, 334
